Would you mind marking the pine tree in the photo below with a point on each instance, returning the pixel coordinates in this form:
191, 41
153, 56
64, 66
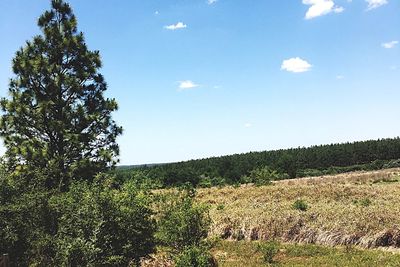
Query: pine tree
56, 119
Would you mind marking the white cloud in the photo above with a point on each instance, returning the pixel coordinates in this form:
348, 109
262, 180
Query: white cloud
338, 9
156, 12
296, 65
321, 7
179, 25
375, 3
248, 125
210, 2
340, 77
185, 85
389, 45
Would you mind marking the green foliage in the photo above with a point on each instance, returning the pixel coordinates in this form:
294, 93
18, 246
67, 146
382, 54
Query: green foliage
392, 164
304, 255
269, 250
263, 176
306, 250
183, 223
289, 163
309, 173
300, 204
195, 256
220, 207
90, 225
99, 225
57, 119
364, 202
205, 182
27, 222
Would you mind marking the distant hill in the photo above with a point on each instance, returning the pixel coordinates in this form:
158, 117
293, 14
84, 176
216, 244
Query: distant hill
293, 162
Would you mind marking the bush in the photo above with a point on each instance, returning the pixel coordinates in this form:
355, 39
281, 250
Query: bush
263, 176
269, 250
27, 222
220, 207
183, 223
205, 182
300, 205
364, 202
195, 256
392, 164
99, 225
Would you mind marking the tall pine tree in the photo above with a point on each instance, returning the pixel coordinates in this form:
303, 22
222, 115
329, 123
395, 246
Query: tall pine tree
57, 119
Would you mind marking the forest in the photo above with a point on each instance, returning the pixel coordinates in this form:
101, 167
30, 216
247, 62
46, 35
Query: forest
284, 163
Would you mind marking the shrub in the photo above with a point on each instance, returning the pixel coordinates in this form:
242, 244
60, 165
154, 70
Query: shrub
220, 207
392, 164
364, 202
269, 250
183, 223
26, 222
300, 205
99, 225
195, 256
205, 182
263, 176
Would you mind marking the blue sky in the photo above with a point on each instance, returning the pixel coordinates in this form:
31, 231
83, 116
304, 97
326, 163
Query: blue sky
195, 78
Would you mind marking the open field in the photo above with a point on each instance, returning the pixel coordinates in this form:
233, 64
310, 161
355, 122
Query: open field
361, 209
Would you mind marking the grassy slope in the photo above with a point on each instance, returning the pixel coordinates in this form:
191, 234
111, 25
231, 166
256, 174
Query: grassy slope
357, 208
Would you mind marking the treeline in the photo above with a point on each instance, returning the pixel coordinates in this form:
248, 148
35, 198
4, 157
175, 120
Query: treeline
288, 163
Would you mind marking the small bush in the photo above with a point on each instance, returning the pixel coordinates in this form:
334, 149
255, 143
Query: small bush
269, 250
300, 205
183, 223
220, 207
195, 257
365, 202
392, 164
263, 176
205, 182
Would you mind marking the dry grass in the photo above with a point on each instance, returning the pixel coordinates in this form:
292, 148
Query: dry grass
361, 208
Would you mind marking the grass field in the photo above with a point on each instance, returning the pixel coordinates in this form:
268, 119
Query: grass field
244, 253
359, 209
348, 219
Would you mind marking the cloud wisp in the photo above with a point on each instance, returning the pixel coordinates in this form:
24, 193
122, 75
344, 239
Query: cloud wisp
321, 7
389, 45
372, 4
296, 65
179, 25
186, 85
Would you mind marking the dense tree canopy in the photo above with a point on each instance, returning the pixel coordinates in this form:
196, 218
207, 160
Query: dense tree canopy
294, 162
57, 118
